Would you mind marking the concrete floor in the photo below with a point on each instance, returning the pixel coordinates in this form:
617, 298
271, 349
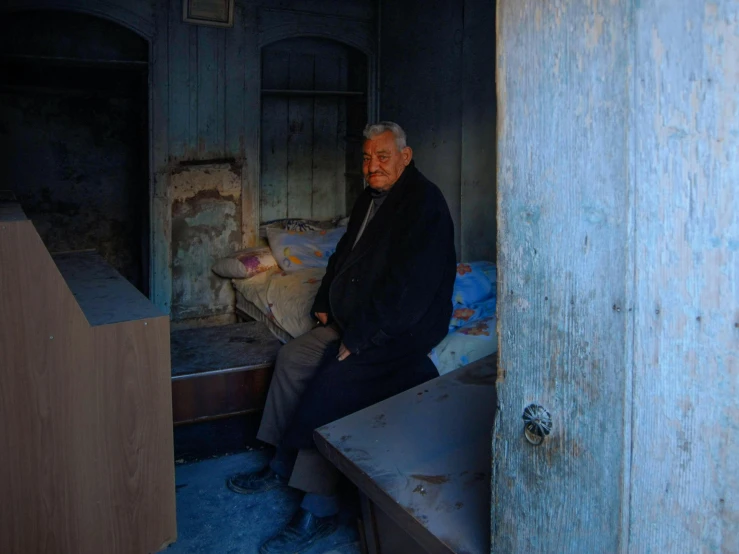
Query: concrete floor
213, 520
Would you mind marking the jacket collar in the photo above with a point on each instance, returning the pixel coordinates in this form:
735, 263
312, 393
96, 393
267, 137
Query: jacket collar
383, 217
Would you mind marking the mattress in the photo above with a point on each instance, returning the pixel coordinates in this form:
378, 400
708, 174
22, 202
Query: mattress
250, 309
282, 300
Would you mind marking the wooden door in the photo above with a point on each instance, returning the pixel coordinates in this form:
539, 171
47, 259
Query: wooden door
618, 167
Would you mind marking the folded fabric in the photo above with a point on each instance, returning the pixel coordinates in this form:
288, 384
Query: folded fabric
465, 345
463, 315
245, 263
296, 250
475, 282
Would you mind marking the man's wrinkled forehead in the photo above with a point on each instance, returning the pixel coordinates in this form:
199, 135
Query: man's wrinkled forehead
381, 144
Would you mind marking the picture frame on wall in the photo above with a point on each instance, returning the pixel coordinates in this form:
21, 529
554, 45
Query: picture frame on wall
215, 13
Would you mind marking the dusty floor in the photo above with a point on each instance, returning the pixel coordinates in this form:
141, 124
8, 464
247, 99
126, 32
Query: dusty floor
213, 520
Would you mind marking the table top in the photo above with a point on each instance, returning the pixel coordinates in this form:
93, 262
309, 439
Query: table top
423, 457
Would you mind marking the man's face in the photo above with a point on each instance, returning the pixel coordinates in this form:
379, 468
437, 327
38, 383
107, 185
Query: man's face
383, 162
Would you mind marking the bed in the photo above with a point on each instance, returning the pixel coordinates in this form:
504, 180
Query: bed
276, 285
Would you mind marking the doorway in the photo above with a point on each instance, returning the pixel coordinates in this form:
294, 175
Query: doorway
74, 134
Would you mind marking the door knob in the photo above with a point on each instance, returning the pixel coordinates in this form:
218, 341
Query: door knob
537, 423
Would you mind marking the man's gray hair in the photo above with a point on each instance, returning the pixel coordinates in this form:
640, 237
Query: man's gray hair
374, 129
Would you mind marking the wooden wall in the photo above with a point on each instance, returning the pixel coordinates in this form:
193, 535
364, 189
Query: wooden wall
303, 138
617, 292
205, 110
437, 82
684, 475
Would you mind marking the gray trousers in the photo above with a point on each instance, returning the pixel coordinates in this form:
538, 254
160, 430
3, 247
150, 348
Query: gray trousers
297, 363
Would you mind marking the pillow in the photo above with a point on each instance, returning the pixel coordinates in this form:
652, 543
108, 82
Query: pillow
463, 315
475, 281
465, 345
296, 250
245, 263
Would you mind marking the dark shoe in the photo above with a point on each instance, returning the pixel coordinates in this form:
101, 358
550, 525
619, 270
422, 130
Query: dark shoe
260, 481
303, 531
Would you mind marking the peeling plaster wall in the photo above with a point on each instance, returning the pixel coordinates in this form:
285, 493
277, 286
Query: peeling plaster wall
206, 225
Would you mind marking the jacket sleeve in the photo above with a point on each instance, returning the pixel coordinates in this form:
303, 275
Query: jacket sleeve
404, 294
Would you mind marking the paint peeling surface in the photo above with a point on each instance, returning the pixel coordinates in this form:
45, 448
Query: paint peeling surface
685, 475
426, 453
563, 172
206, 225
618, 175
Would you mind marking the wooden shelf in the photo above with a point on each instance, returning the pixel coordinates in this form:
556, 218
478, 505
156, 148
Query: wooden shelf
287, 92
73, 61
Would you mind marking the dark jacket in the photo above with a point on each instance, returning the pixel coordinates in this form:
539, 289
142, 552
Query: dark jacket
393, 290
392, 297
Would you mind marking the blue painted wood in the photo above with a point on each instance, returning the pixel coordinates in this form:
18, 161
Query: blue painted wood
179, 81
300, 138
329, 186
234, 83
160, 214
274, 136
250, 172
210, 89
685, 472
564, 91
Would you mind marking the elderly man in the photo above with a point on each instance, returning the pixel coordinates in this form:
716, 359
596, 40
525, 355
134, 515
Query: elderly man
384, 303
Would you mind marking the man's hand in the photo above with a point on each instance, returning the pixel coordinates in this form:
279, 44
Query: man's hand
343, 353
322, 317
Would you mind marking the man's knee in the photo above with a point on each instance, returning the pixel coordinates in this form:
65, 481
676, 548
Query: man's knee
307, 349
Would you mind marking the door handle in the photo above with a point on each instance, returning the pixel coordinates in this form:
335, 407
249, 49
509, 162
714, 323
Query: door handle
537, 423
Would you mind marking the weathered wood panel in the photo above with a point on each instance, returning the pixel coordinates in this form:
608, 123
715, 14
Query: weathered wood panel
421, 87
160, 214
303, 137
685, 473
477, 193
563, 79
328, 190
210, 87
250, 192
274, 136
300, 138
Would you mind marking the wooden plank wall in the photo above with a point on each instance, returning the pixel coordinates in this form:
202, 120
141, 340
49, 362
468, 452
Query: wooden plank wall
563, 192
619, 233
685, 470
303, 137
441, 91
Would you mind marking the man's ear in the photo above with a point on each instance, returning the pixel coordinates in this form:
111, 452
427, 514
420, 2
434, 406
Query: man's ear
407, 154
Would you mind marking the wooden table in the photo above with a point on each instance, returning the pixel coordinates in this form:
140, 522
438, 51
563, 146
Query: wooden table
422, 462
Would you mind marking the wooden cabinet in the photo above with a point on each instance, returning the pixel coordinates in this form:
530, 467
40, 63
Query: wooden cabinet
85, 404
